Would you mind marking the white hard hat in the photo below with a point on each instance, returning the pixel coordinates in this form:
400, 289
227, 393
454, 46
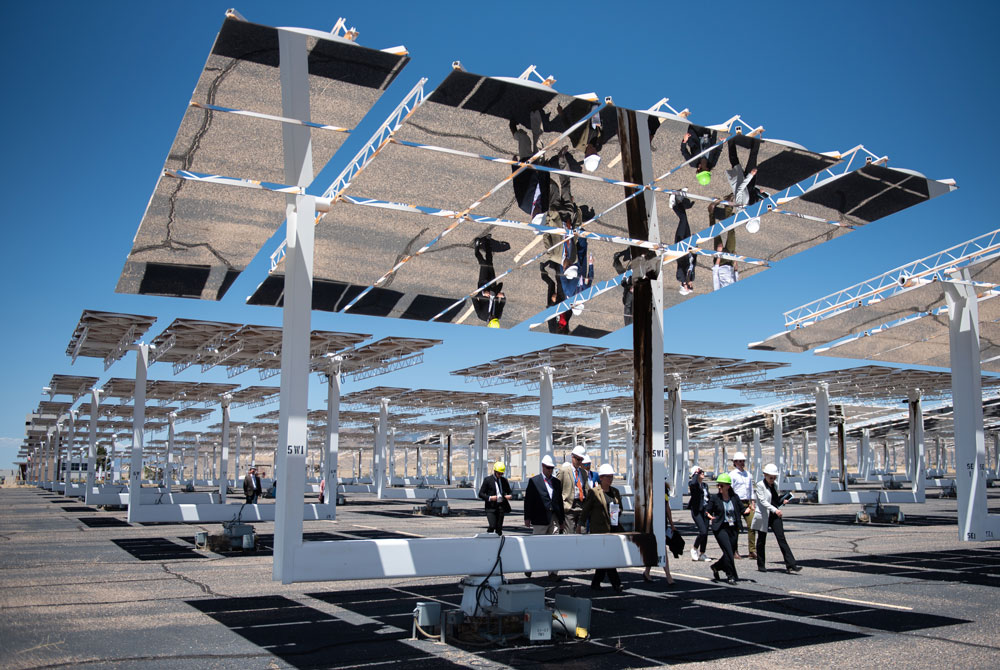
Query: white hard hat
586, 459
579, 451
605, 469
571, 273
591, 162
739, 456
577, 308
547, 461
695, 469
771, 469
753, 225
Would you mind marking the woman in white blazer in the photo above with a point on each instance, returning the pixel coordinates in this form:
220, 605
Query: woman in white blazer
769, 518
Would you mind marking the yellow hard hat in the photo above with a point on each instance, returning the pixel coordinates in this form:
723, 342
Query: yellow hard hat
499, 467
493, 323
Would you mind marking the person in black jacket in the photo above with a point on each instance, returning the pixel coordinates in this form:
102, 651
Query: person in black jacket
543, 509
725, 512
495, 491
251, 486
699, 499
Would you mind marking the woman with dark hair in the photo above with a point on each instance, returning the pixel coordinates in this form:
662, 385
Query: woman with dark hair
699, 499
725, 512
670, 529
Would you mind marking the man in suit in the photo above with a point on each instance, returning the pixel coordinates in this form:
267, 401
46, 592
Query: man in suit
251, 486
543, 505
769, 518
575, 485
602, 509
495, 491
543, 509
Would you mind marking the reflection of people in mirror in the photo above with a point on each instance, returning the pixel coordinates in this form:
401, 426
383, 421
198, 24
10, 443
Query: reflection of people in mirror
680, 203
743, 180
696, 142
724, 271
620, 262
489, 301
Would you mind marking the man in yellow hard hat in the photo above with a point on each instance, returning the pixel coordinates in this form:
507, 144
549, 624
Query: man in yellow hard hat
495, 491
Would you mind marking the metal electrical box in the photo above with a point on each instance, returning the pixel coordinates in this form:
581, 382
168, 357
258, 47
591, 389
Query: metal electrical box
520, 597
538, 624
574, 613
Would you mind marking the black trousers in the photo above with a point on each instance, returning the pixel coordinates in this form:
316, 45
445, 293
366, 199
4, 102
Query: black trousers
726, 537
494, 517
700, 542
611, 573
778, 528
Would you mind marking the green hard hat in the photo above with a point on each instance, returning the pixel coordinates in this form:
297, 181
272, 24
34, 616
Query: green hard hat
704, 177
724, 478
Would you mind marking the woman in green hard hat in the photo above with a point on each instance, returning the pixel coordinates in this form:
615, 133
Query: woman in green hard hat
725, 514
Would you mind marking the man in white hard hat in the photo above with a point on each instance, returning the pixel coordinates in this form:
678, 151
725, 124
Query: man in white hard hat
575, 484
591, 475
770, 518
743, 487
543, 505
602, 510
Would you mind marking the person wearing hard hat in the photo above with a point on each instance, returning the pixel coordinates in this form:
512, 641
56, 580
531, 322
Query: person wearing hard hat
495, 492
591, 475
602, 510
543, 506
575, 485
770, 518
743, 487
725, 512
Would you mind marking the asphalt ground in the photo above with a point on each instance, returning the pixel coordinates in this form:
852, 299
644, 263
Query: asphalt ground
80, 587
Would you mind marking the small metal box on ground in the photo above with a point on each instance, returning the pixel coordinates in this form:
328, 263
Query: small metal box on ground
538, 624
520, 597
574, 614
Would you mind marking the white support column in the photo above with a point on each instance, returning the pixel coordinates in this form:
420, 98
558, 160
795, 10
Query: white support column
236, 457
629, 459
545, 414
685, 453
138, 423
755, 470
779, 446
253, 450
111, 460
420, 463
715, 465
168, 471
440, 456
214, 463
391, 459
804, 455
823, 484
605, 433
695, 454
918, 473
974, 520
866, 453
524, 455
300, 213
482, 469
381, 434
197, 457
224, 463
332, 444
676, 442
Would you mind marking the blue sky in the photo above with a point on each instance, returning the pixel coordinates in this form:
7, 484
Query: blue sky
95, 92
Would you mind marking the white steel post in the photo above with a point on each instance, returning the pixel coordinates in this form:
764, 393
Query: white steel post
440, 457
138, 422
482, 444
331, 469
917, 443
236, 457
524, 455
167, 474
545, 414
676, 424
629, 453
224, 464
974, 520
605, 433
300, 213
253, 451
755, 471
378, 471
197, 457
866, 453
779, 447
823, 483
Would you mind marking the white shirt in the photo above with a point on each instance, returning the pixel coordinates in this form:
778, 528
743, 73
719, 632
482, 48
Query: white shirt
742, 484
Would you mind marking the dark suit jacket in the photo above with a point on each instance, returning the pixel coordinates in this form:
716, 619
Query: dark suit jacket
595, 510
251, 485
696, 504
539, 507
489, 488
715, 508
